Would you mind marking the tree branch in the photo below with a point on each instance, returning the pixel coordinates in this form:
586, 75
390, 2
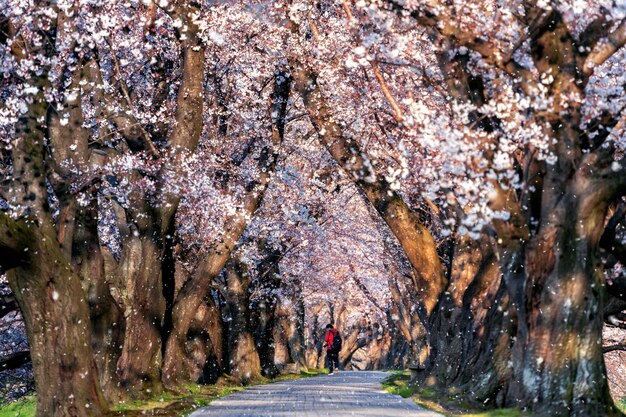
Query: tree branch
415, 238
605, 49
612, 348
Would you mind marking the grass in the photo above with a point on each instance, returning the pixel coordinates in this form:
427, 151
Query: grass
167, 404
172, 403
441, 402
621, 405
194, 396
22, 408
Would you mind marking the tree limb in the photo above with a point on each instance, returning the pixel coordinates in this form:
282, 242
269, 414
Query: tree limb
605, 49
612, 348
415, 238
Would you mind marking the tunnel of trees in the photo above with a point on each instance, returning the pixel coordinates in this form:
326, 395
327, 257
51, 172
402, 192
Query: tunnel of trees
195, 188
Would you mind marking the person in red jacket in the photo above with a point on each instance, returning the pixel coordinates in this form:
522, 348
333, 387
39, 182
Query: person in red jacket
332, 342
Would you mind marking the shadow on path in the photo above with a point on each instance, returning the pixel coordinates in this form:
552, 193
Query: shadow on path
349, 393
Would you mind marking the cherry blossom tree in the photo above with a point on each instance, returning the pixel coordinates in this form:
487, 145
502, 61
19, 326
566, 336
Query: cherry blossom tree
196, 187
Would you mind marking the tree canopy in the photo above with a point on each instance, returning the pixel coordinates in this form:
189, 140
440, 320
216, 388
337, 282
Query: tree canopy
191, 188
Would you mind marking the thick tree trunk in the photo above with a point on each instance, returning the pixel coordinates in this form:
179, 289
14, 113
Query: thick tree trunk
57, 323
445, 325
263, 307
288, 330
204, 353
137, 288
558, 362
488, 323
244, 362
263, 318
107, 321
404, 319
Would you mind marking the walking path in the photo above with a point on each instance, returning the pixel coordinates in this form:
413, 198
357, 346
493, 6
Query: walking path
349, 393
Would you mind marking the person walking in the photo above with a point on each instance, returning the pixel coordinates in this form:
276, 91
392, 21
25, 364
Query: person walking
332, 342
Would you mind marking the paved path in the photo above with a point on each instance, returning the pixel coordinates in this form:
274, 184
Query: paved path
348, 393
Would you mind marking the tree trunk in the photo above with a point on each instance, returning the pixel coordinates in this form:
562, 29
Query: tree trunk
56, 316
488, 322
138, 290
473, 327
244, 362
445, 324
263, 318
107, 320
558, 361
204, 348
288, 330
263, 306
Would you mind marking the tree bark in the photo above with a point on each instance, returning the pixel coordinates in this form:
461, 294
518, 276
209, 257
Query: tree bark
446, 337
57, 323
138, 291
107, 320
204, 353
244, 362
288, 330
558, 361
488, 323
263, 307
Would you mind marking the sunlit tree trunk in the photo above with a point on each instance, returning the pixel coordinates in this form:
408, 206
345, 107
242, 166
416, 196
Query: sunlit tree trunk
558, 361
204, 349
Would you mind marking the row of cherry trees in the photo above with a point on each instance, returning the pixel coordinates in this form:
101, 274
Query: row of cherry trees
190, 188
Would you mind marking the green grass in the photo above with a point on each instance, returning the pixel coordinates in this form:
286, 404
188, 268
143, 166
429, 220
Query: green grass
22, 408
441, 402
194, 396
621, 405
167, 403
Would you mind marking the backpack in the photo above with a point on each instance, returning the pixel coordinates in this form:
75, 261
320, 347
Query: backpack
336, 346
